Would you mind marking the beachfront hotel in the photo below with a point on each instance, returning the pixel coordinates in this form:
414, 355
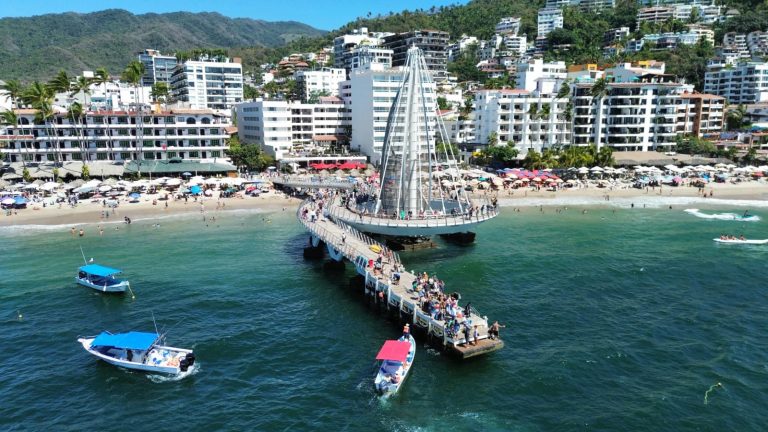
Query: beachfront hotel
528, 120
118, 136
740, 82
208, 83
286, 128
645, 115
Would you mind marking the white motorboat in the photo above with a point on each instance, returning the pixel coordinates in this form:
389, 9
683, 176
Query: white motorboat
139, 351
739, 241
101, 278
396, 360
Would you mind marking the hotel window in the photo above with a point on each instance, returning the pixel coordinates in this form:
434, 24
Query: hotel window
149, 155
194, 154
125, 155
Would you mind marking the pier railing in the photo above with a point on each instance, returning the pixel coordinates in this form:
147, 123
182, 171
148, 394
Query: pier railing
396, 294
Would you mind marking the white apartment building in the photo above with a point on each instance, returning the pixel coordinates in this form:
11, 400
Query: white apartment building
508, 25
157, 67
669, 41
455, 49
459, 131
529, 120
208, 84
708, 14
513, 46
757, 42
536, 75
284, 128
115, 136
362, 55
325, 81
548, 20
113, 95
372, 90
740, 82
345, 45
638, 116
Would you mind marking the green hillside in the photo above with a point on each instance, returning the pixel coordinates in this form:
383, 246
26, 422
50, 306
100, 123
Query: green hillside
37, 47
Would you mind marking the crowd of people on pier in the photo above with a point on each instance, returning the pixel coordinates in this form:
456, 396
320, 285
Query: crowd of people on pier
428, 289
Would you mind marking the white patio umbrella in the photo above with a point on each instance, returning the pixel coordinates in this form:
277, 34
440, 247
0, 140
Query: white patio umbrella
596, 169
173, 182
105, 188
583, 170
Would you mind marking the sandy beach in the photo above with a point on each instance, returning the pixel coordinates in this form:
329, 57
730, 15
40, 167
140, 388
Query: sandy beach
91, 212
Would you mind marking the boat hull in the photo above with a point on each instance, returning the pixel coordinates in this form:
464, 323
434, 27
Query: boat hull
123, 363
114, 288
737, 241
384, 387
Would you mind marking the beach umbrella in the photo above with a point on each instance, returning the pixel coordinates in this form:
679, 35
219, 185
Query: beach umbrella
135, 195
596, 169
173, 182
20, 200
8, 201
195, 190
84, 189
186, 174
105, 188
208, 192
583, 170
31, 186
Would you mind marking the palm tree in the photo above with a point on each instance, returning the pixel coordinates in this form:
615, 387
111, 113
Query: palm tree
76, 113
159, 92
40, 97
63, 83
132, 74
598, 92
14, 90
101, 76
82, 84
10, 118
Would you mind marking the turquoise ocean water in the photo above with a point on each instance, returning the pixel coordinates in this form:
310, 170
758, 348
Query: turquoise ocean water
617, 319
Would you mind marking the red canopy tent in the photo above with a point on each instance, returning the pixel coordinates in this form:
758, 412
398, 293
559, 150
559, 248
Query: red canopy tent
348, 166
394, 350
322, 165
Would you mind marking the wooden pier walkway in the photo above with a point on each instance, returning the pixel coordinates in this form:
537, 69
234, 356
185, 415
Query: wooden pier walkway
342, 241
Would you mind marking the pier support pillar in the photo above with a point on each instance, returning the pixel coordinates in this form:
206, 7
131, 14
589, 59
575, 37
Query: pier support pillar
315, 250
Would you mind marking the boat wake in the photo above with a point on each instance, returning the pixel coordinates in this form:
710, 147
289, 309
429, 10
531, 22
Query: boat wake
723, 216
193, 370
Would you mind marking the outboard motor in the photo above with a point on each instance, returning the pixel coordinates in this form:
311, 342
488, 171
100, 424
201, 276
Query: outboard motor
190, 358
183, 365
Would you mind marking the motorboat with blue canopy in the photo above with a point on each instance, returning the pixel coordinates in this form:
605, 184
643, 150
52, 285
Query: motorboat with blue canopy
139, 351
101, 278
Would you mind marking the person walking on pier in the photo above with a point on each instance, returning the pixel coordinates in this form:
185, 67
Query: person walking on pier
468, 310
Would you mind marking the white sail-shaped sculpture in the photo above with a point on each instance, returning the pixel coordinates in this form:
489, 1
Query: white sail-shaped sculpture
413, 198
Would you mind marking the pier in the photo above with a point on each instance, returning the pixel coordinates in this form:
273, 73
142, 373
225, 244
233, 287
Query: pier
342, 241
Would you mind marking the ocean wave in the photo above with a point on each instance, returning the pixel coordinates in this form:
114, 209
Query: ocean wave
723, 216
626, 202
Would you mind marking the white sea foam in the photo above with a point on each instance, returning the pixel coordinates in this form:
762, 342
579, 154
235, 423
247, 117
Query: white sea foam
723, 216
193, 370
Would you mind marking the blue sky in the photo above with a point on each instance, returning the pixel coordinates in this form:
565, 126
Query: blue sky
323, 14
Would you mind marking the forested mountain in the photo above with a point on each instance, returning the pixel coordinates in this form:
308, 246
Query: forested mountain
37, 47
